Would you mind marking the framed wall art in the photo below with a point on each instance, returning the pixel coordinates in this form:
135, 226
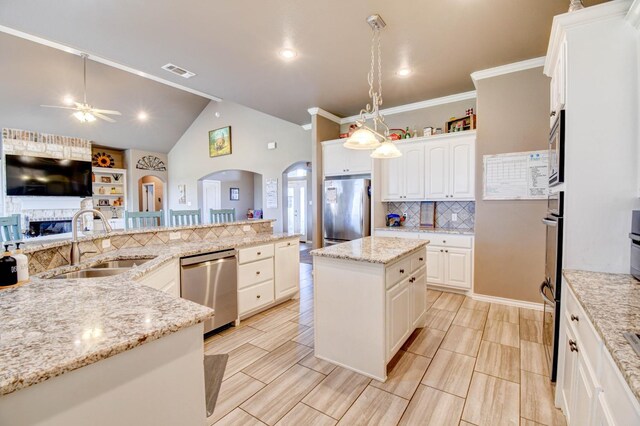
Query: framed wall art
220, 142
234, 194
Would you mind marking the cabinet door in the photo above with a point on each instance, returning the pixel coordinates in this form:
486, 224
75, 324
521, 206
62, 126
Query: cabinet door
287, 268
435, 265
583, 393
357, 161
419, 297
602, 416
437, 171
462, 170
568, 373
166, 278
413, 171
333, 160
398, 316
458, 267
392, 181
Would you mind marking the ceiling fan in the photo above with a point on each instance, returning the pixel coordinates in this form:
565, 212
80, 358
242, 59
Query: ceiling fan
84, 112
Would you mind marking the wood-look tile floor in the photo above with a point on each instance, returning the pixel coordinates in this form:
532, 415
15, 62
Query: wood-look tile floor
475, 363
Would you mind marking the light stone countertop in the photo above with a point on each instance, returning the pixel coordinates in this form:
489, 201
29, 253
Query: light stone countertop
426, 230
371, 249
612, 303
50, 327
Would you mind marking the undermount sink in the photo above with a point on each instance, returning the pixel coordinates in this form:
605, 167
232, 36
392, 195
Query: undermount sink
92, 273
123, 263
105, 269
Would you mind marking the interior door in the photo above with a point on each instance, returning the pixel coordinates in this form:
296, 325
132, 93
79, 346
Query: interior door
437, 171
210, 195
148, 197
296, 203
462, 169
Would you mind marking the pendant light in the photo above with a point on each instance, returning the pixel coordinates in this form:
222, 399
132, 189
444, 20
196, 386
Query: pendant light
366, 137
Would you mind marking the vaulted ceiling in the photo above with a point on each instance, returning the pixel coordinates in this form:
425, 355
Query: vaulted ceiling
232, 46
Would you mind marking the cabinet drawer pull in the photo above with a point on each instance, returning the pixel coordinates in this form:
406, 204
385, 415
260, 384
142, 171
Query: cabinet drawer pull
441, 251
259, 253
574, 318
402, 271
573, 345
553, 114
420, 259
446, 251
288, 244
257, 272
444, 241
258, 296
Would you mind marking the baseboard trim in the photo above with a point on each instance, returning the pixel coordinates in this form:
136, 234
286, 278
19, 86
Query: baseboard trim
505, 301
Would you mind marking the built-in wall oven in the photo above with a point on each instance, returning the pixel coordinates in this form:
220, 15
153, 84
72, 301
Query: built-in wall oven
550, 289
556, 151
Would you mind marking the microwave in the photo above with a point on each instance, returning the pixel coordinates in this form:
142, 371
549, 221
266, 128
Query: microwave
556, 151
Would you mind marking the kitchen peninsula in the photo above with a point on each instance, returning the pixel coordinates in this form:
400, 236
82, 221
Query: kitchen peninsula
115, 349
370, 294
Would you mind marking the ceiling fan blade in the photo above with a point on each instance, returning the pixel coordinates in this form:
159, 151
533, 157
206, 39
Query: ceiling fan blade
104, 117
106, 111
58, 106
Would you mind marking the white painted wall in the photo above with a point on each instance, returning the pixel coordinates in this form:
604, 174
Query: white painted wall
251, 130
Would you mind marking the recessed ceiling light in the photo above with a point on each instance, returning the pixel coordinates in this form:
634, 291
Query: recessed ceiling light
68, 100
403, 72
288, 53
142, 116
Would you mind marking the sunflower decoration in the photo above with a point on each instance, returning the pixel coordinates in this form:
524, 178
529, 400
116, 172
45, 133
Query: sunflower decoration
102, 159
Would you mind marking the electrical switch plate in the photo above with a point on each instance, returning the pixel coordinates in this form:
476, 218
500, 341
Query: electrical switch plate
454, 217
174, 236
272, 145
106, 243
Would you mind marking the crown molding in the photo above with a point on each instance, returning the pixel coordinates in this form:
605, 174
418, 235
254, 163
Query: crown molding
588, 15
633, 16
507, 69
306, 126
417, 105
105, 61
325, 114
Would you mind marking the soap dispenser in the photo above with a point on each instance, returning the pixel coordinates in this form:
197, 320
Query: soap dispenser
22, 262
8, 268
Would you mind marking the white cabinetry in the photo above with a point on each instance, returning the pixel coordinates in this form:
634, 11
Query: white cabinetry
338, 160
403, 177
399, 318
267, 274
450, 169
166, 278
558, 86
287, 260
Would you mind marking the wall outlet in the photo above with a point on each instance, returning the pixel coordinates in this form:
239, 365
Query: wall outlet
174, 235
188, 203
454, 217
246, 228
106, 243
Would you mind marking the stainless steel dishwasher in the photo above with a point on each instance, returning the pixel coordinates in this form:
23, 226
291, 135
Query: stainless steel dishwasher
211, 280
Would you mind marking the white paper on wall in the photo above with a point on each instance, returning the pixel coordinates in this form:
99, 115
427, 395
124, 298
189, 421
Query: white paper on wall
271, 189
516, 176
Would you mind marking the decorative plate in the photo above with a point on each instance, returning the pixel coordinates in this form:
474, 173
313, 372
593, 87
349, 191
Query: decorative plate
102, 159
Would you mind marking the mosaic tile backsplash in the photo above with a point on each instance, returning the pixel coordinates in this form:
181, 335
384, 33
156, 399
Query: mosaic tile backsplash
466, 211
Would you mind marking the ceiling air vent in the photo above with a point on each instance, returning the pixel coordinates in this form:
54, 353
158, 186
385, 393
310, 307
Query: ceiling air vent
178, 71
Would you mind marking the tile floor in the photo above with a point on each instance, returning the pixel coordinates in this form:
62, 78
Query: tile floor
474, 364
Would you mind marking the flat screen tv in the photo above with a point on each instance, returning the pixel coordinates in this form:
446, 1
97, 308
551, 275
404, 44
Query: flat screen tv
38, 176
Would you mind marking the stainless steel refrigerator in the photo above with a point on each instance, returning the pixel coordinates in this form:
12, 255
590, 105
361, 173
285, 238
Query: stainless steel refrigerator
347, 210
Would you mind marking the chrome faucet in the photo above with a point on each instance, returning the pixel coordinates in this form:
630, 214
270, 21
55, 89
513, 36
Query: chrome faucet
74, 259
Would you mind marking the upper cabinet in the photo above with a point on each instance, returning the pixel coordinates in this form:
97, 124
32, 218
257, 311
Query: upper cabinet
450, 169
558, 86
403, 177
339, 161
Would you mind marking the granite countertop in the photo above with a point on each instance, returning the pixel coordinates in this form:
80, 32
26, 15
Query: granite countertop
426, 229
50, 327
612, 303
371, 249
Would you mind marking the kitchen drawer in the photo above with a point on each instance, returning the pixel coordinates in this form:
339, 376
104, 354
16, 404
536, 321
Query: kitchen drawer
255, 272
397, 272
390, 232
448, 240
252, 254
418, 260
288, 243
587, 339
255, 297
623, 405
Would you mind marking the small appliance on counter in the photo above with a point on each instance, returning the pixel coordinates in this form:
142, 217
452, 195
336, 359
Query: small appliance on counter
394, 220
635, 244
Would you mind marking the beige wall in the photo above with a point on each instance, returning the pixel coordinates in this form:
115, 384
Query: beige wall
510, 238
322, 129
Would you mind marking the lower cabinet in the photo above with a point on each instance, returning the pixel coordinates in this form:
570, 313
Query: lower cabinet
287, 270
419, 298
166, 278
400, 323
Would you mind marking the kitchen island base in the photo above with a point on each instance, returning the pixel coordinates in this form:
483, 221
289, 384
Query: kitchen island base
365, 311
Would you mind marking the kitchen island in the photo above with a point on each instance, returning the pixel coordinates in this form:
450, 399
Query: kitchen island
122, 349
370, 294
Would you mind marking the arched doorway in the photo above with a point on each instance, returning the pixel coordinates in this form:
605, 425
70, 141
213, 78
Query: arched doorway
296, 195
151, 196
230, 189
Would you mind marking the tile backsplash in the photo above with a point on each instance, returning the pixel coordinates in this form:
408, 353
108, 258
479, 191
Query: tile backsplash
466, 211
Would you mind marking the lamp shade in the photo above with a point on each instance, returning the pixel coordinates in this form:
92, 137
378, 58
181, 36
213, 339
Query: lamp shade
386, 150
362, 139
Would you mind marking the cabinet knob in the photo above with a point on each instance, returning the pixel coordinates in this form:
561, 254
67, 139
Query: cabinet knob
259, 253
257, 272
573, 345
446, 251
258, 297
402, 271
441, 251
420, 259
553, 114
574, 318
288, 244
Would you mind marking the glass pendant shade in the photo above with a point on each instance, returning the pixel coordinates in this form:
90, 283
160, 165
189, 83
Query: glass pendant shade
386, 150
362, 139
84, 117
